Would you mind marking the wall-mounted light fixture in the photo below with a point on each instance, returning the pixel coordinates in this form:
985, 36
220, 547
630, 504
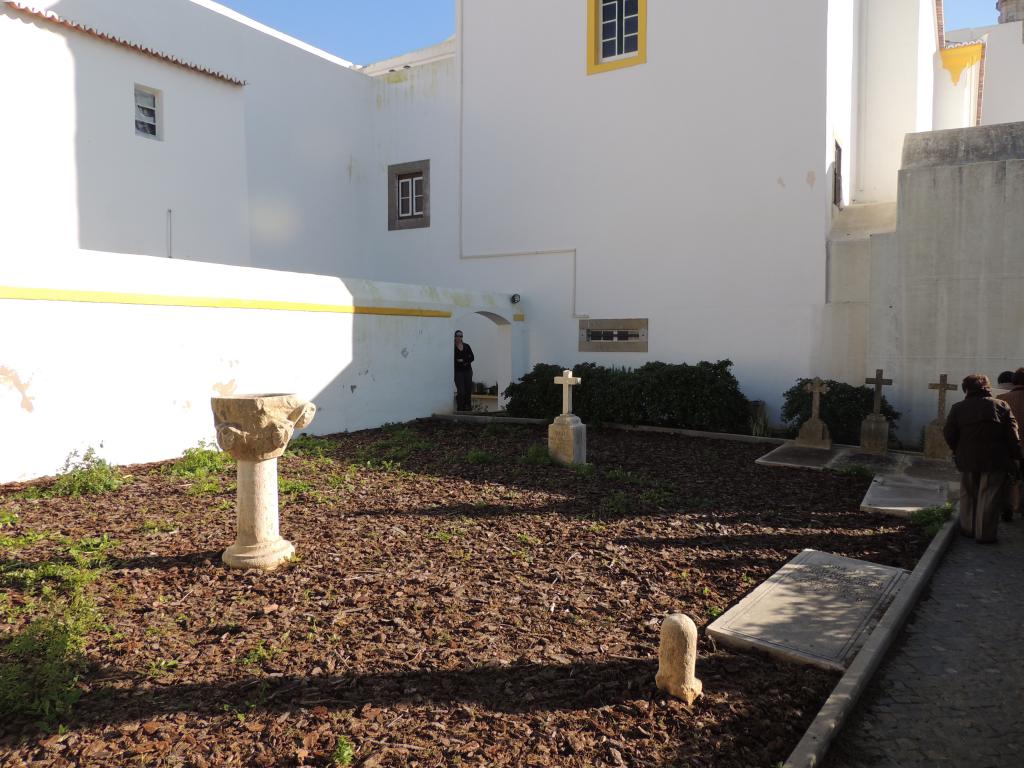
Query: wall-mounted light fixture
515, 298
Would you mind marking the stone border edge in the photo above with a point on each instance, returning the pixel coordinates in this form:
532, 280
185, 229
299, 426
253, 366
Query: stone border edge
485, 419
834, 712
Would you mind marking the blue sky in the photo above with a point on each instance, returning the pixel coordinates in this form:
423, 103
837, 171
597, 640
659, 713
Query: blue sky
365, 32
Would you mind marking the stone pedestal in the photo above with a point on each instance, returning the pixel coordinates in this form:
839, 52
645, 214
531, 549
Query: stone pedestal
677, 658
814, 434
935, 446
874, 434
255, 430
567, 440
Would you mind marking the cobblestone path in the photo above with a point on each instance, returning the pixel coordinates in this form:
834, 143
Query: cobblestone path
951, 692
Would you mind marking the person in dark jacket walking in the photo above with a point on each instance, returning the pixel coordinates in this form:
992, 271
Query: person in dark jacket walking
1015, 399
985, 441
463, 374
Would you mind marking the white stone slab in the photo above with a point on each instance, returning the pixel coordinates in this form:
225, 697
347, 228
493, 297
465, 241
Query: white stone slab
817, 609
902, 496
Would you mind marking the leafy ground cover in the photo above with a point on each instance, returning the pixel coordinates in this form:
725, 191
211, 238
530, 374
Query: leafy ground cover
456, 600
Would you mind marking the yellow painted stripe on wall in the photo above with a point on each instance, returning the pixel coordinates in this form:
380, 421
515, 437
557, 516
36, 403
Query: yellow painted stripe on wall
156, 300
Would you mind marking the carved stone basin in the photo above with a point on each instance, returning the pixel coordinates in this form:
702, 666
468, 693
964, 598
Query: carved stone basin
255, 430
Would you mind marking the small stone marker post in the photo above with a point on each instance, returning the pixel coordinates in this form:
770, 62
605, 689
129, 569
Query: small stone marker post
677, 658
567, 436
874, 430
934, 442
255, 430
814, 432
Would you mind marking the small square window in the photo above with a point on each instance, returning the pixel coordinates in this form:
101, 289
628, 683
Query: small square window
409, 195
625, 335
148, 116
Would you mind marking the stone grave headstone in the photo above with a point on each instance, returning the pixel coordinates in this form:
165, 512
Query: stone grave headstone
677, 658
814, 432
567, 435
874, 430
817, 609
255, 430
935, 446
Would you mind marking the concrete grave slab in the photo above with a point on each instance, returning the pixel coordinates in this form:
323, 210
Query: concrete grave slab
901, 495
792, 455
873, 461
818, 609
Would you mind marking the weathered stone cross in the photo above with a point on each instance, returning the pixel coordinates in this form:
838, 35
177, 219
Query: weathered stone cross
878, 382
943, 388
817, 388
567, 380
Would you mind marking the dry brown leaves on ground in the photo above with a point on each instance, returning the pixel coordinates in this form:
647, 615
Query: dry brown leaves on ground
451, 605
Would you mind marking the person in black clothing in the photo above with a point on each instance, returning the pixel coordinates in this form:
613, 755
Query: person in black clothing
463, 374
982, 433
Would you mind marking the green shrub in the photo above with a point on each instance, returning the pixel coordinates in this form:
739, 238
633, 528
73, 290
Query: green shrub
344, 753
931, 519
201, 461
478, 456
704, 396
842, 409
536, 455
85, 476
310, 446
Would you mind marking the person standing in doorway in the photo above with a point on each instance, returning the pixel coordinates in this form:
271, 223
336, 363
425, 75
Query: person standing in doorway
463, 374
983, 436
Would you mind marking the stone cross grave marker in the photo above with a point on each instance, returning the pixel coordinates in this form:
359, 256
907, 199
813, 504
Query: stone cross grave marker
874, 430
568, 381
567, 436
934, 442
814, 432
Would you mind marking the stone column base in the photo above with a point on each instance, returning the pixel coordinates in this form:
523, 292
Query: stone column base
874, 434
567, 440
265, 555
814, 434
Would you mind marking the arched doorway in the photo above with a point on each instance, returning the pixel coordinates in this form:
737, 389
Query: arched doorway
490, 336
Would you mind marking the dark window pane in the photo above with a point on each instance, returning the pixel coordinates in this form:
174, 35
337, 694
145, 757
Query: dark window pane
632, 26
608, 49
631, 7
629, 44
608, 31
147, 128
608, 12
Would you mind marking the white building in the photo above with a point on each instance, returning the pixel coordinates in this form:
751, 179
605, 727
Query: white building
657, 180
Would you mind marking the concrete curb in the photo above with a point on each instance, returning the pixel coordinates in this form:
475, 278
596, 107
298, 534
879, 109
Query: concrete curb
832, 716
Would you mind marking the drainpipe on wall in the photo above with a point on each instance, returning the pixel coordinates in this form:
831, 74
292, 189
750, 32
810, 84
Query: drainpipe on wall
170, 234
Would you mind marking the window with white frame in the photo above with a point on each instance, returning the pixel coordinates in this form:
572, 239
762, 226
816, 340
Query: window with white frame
620, 29
409, 195
147, 112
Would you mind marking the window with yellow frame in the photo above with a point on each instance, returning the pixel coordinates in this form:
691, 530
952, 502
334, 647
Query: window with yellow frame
616, 34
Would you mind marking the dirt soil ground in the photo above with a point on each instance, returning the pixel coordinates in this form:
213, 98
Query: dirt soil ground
450, 605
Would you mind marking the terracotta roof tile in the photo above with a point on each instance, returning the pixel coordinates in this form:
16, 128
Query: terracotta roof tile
54, 18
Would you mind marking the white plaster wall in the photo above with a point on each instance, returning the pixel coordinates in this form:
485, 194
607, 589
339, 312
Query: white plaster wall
75, 170
135, 381
898, 41
955, 104
843, 52
303, 135
945, 294
1004, 70
678, 210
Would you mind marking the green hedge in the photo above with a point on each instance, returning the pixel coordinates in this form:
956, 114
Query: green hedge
705, 396
842, 409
